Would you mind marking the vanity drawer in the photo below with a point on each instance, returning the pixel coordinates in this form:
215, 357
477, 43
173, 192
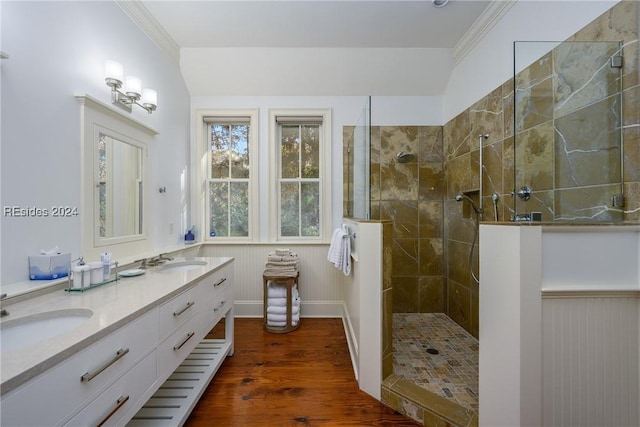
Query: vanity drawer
119, 399
73, 383
213, 286
172, 351
215, 309
177, 311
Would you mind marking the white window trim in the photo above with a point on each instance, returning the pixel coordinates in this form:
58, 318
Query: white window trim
325, 177
201, 165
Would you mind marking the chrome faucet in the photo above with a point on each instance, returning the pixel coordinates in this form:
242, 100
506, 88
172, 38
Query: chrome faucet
3, 312
143, 263
160, 259
165, 257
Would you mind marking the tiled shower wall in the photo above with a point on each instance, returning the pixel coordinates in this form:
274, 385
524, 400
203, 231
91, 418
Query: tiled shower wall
432, 232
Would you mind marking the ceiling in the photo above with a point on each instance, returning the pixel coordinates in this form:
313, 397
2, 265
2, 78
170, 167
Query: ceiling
349, 47
319, 23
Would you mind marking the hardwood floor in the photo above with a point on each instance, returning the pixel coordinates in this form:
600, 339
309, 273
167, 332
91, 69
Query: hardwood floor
301, 378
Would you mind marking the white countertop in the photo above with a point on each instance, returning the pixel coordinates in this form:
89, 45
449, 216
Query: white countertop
113, 306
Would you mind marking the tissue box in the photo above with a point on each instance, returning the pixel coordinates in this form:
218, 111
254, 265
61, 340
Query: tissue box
47, 267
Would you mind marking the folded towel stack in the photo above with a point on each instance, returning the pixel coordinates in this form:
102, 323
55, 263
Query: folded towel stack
277, 305
282, 263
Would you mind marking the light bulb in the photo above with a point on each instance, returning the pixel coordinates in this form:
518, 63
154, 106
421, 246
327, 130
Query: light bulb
149, 97
113, 73
133, 87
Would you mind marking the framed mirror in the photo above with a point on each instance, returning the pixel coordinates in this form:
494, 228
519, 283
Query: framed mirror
119, 191
114, 171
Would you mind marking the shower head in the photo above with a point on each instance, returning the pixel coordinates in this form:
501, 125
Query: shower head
460, 197
404, 157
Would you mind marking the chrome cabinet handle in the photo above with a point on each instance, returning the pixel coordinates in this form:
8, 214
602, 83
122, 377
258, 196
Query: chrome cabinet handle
89, 376
183, 309
119, 403
218, 307
179, 346
220, 282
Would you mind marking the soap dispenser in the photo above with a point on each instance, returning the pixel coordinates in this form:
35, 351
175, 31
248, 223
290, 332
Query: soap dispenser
190, 237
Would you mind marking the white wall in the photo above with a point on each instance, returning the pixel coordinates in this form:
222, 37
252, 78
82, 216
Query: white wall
490, 63
316, 71
57, 50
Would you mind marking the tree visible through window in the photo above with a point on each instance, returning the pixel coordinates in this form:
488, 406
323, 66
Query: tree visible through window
299, 180
228, 179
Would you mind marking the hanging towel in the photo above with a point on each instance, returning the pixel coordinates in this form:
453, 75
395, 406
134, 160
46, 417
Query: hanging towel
340, 250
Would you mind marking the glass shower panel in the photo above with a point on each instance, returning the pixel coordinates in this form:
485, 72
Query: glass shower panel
358, 167
567, 130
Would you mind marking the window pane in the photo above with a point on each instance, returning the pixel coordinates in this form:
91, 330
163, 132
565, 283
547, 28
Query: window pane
239, 151
290, 149
289, 209
239, 209
219, 151
310, 208
219, 206
310, 151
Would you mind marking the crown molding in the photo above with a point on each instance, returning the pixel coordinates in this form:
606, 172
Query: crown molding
141, 16
485, 22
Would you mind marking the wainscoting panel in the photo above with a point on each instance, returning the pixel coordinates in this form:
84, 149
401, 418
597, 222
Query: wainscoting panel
591, 373
320, 289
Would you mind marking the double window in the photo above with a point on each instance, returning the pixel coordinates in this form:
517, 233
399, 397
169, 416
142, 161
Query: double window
295, 198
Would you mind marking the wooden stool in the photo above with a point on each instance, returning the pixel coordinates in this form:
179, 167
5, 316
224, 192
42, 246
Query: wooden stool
289, 282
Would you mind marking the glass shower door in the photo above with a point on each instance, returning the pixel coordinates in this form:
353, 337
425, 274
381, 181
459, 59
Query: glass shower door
567, 127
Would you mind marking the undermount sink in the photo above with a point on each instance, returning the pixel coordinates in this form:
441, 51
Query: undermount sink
182, 266
22, 331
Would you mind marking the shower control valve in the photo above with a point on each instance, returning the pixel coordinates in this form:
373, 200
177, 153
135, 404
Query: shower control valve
524, 193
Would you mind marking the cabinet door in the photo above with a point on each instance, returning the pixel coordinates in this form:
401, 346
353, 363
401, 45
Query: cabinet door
70, 385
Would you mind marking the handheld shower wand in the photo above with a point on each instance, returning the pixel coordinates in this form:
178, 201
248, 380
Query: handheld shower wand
461, 196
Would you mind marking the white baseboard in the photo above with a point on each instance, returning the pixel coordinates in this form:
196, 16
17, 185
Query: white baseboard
352, 341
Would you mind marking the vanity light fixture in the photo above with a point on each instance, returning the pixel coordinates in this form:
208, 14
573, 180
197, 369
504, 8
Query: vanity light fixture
132, 92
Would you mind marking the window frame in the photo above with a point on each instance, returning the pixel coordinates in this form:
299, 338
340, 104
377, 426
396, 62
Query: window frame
203, 165
324, 179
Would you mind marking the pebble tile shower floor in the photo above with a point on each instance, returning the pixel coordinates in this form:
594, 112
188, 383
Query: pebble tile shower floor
453, 372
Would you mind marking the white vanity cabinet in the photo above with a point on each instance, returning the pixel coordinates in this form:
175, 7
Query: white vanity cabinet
54, 396
126, 374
